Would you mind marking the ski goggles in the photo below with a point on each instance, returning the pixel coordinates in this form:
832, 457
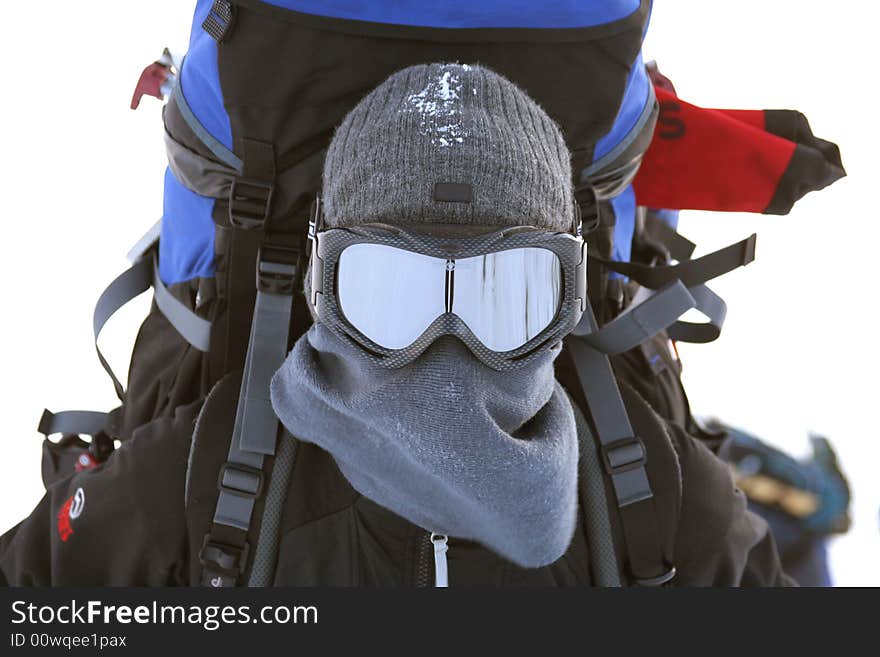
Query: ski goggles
506, 294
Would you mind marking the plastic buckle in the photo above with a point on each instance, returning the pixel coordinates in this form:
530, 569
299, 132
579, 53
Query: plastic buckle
242, 480
657, 581
277, 269
250, 202
101, 447
623, 455
222, 563
580, 278
317, 220
588, 214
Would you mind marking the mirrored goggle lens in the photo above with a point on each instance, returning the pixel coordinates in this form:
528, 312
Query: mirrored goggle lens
508, 298
392, 296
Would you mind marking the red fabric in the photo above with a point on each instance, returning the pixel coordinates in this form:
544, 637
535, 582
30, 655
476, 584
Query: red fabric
709, 159
64, 528
754, 118
150, 83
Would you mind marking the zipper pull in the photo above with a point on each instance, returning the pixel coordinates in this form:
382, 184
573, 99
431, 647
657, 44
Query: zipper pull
441, 547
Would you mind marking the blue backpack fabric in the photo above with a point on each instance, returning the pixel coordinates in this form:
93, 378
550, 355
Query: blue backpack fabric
470, 14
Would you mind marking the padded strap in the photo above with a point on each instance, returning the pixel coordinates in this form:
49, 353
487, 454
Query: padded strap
690, 272
266, 554
595, 507
640, 321
623, 456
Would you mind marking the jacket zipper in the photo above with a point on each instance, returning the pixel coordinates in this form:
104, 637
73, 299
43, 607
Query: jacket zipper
437, 545
441, 571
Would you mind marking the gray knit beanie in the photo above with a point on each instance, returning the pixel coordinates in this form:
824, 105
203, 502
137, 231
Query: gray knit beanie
448, 143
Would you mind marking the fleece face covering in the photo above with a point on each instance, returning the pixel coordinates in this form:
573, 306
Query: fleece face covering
445, 442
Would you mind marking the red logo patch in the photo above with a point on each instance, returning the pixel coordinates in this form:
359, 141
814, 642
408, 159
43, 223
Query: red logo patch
86, 462
64, 528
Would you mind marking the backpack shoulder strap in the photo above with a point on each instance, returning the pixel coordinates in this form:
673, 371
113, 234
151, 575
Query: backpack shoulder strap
207, 458
225, 554
595, 508
207, 454
623, 453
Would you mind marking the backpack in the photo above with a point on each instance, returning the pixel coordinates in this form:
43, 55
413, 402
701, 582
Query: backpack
804, 501
225, 264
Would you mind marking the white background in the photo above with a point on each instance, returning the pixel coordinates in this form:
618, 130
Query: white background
81, 180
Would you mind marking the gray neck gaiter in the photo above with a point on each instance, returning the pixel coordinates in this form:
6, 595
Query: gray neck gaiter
445, 442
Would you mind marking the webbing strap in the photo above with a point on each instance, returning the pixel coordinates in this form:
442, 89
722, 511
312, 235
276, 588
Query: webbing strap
137, 279
679, 247
89, 423
191, 327
640, 321
623, 455
248, 188
690, 272
250, 193
713, 307
255, 431
149, 240
219, 20
125, 287
707, 302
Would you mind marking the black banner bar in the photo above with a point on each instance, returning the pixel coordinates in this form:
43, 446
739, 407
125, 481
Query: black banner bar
278, 621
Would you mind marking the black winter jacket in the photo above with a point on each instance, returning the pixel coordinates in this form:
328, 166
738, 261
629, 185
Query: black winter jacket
134, 524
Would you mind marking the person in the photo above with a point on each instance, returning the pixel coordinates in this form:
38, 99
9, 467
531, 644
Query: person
444, 276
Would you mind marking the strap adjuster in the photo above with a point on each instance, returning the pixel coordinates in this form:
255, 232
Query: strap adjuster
222, 563
623, 455
588, 214
316, 223
219, 20
240, 480
250, 202
277, 269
